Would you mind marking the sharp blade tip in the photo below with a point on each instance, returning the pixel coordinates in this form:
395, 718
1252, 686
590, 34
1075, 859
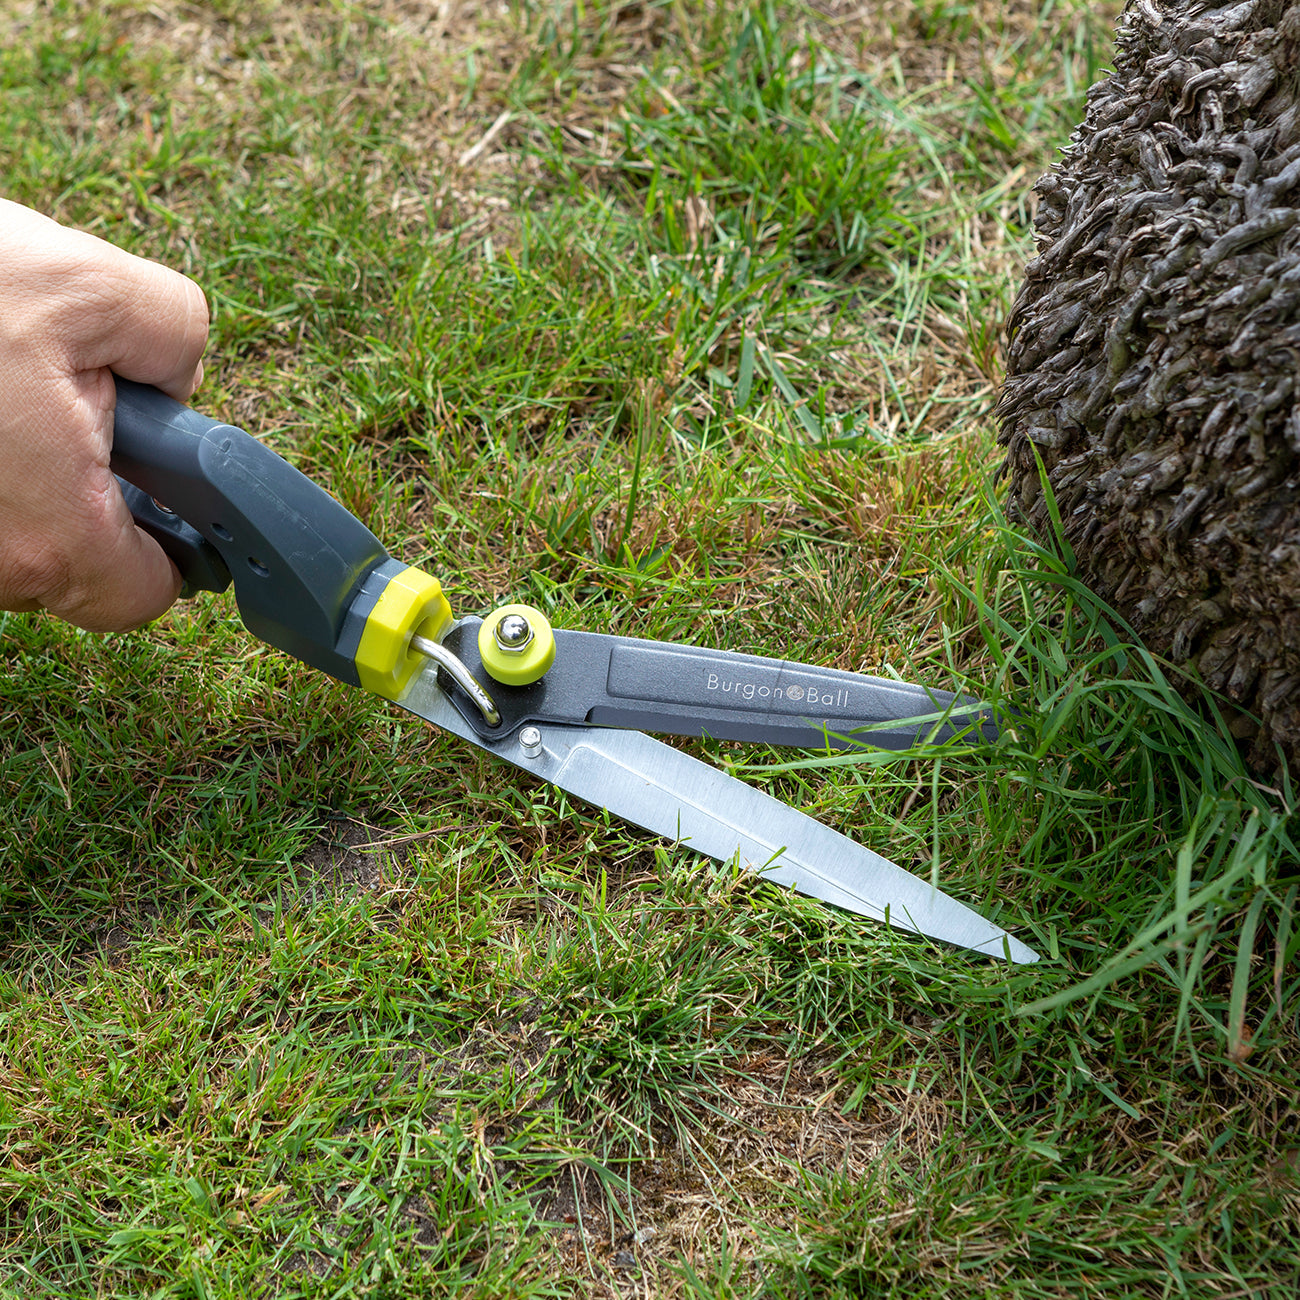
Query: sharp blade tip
1005, 946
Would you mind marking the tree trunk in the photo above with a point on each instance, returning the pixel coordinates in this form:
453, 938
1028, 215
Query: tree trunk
1154, 349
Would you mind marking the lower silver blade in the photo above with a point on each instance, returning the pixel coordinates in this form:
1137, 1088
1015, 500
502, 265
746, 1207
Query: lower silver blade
674, 795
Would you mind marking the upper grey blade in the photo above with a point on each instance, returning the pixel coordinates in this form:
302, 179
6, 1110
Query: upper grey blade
674, 795
683, 690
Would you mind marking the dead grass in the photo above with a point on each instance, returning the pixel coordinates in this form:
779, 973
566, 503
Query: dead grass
777, 1125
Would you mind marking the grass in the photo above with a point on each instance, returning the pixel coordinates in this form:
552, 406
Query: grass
681, 321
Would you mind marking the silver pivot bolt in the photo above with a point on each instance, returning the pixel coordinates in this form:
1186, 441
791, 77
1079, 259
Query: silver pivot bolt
530, 742
513, 634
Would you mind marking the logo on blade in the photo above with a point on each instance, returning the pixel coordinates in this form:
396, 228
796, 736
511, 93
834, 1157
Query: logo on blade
836, 699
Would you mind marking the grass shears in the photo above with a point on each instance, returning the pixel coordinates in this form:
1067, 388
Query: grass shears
573, 708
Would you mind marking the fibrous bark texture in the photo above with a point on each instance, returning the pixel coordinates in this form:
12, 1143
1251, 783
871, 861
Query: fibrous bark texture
1154, 360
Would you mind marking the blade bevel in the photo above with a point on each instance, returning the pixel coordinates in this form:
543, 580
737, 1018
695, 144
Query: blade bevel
672, 794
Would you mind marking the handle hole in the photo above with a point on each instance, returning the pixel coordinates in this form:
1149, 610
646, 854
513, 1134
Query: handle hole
223, 532
258, 568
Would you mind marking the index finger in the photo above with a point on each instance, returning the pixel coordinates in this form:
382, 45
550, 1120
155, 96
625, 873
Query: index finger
147, 322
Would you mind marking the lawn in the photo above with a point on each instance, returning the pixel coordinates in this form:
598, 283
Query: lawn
679, 320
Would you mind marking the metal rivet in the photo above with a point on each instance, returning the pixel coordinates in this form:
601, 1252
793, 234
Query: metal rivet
530, 742
513, 634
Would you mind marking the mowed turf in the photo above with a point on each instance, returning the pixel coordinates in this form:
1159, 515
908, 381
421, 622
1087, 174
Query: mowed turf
679, 320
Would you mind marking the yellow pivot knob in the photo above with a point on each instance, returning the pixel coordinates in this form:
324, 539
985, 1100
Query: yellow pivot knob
411, 602
516, 644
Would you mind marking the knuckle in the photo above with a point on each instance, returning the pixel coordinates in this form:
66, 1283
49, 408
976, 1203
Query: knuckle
192, 309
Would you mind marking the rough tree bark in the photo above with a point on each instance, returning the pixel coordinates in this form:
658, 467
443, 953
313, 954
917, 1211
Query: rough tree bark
1155, 348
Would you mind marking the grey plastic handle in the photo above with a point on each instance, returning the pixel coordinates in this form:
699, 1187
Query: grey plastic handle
226, 508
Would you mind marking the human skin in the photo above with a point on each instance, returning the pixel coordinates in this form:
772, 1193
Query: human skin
73, 310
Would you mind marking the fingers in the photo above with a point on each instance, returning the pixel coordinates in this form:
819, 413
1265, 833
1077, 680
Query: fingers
127, 582
111, 577
72, 309
68, 543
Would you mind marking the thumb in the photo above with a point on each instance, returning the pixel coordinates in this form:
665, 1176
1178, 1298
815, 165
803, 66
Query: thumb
151, 324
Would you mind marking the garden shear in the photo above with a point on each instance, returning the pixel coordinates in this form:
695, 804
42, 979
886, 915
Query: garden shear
570, 707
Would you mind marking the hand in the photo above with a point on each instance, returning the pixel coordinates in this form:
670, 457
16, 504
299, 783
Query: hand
72, 309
